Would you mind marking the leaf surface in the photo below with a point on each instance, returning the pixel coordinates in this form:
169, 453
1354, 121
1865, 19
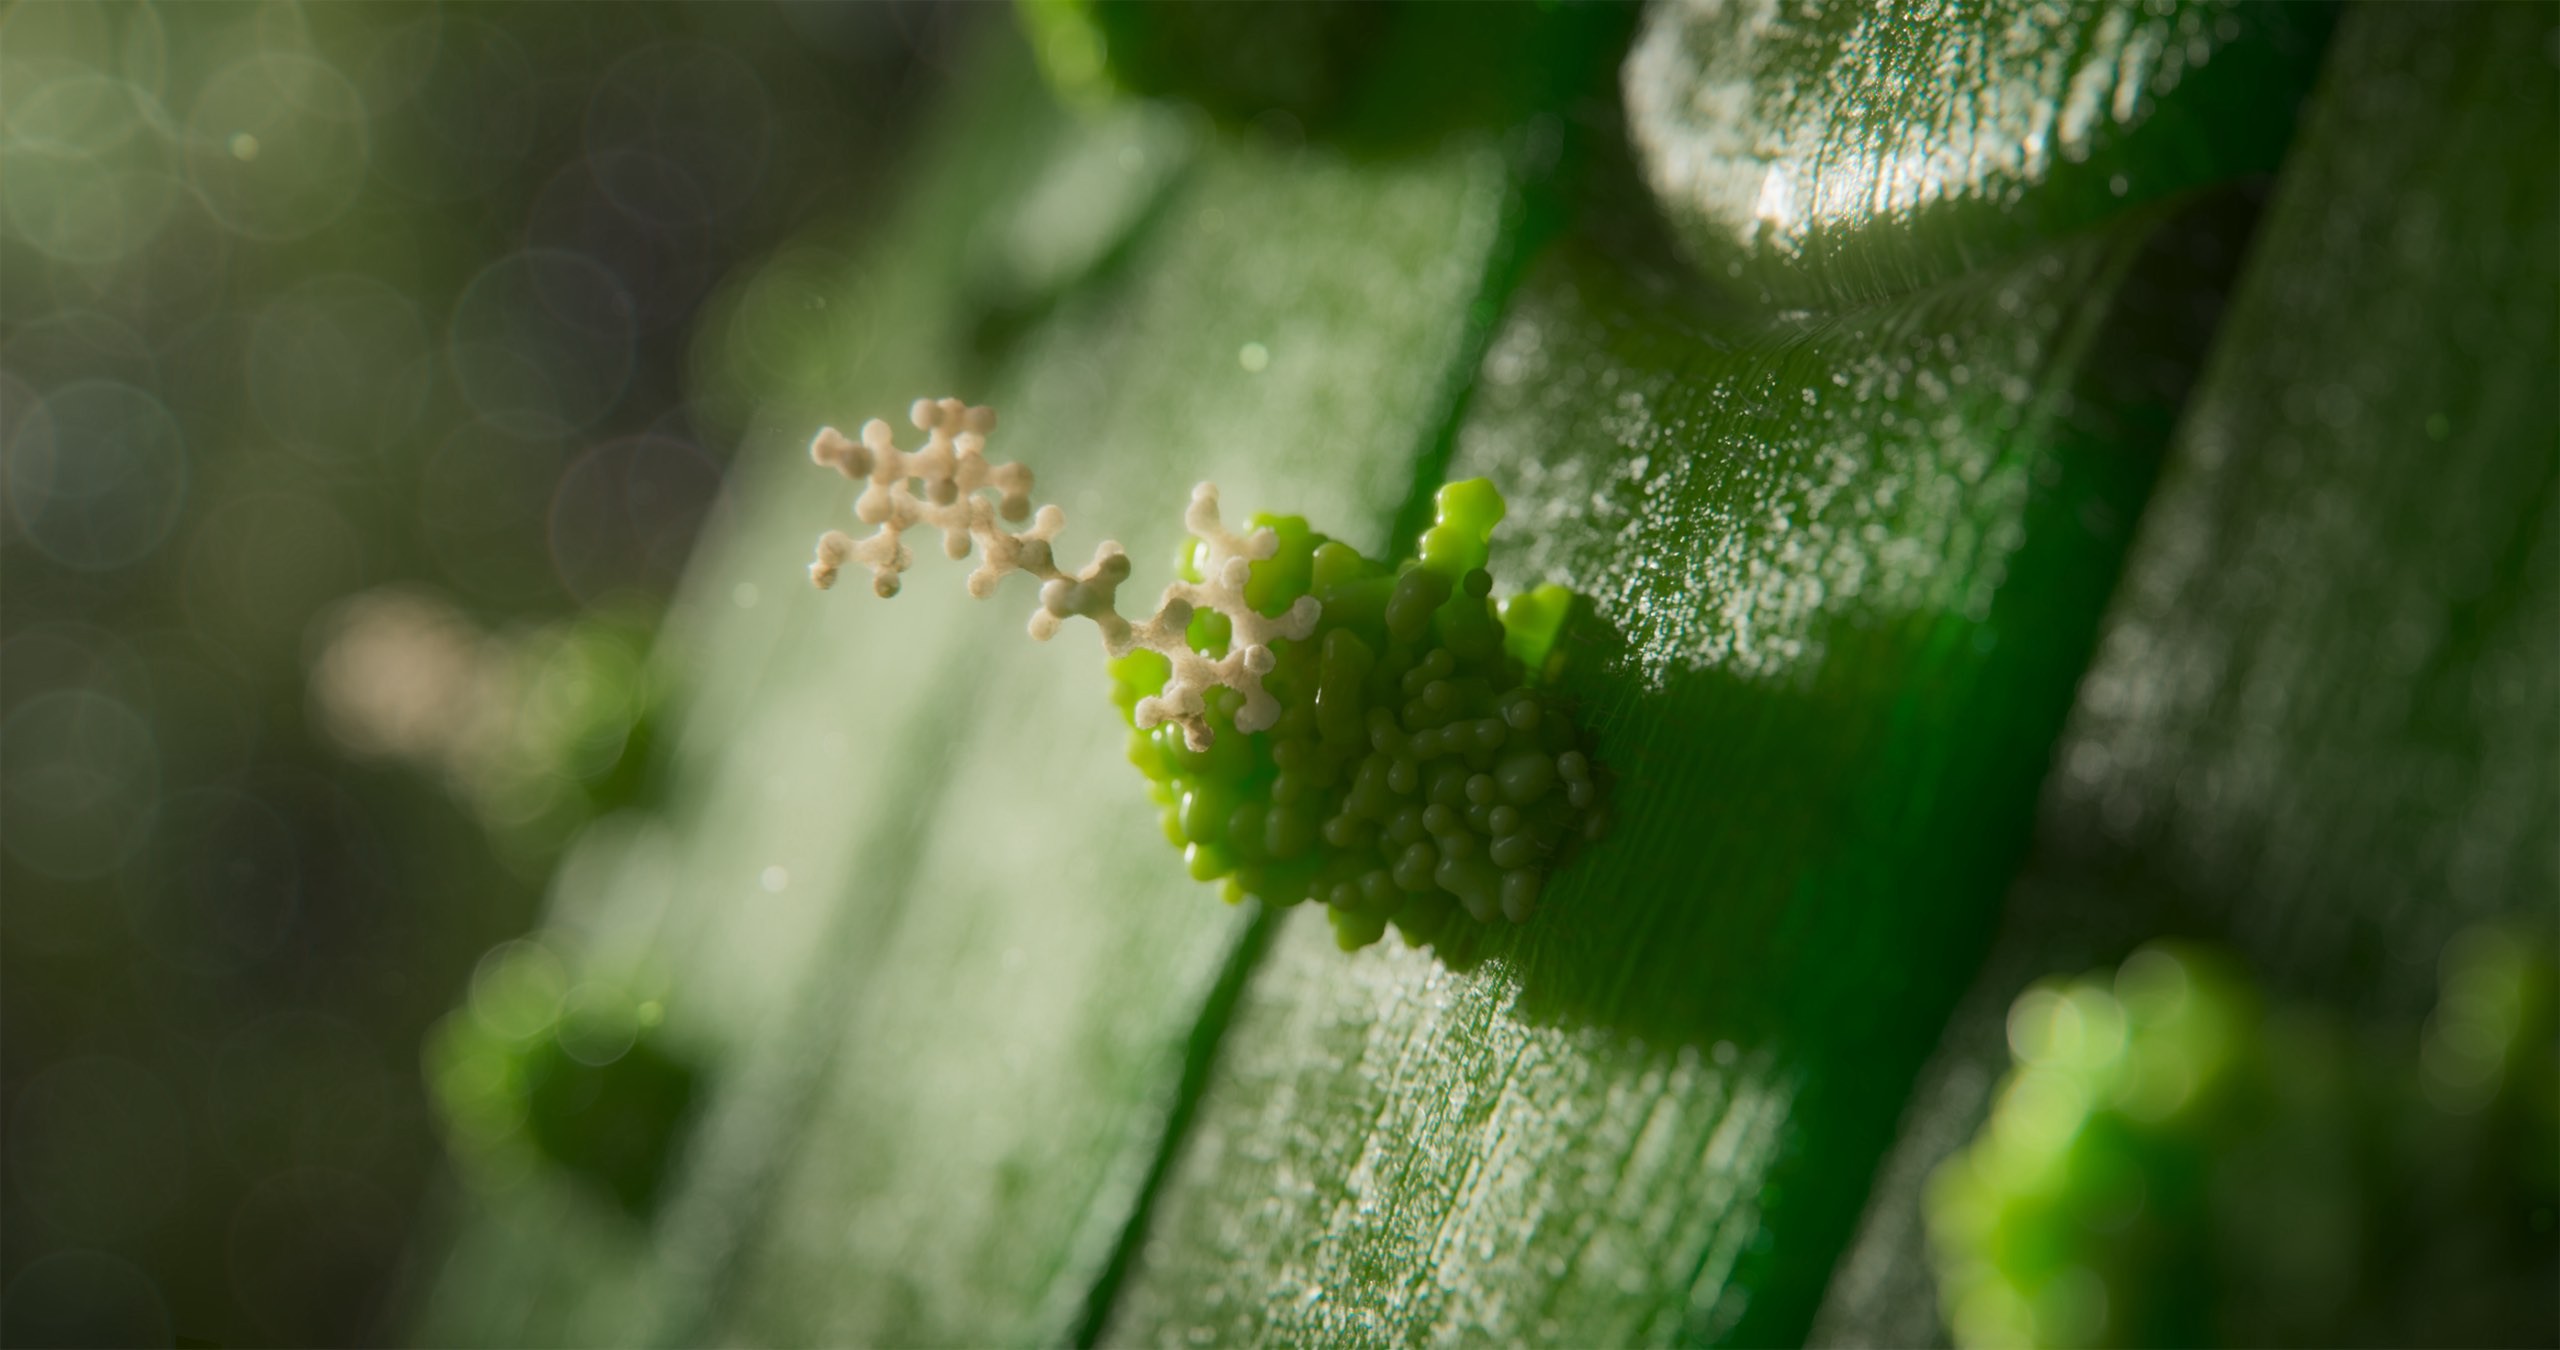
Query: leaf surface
1005, 1071
950, 1039
1852, 568
2324, 724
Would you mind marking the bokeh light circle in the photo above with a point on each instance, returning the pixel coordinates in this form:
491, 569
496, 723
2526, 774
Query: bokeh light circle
667, 271
517, 989
98, 1149
70, 111
96, 475
339, 367
80, 344
19, 404
657, 193
84, 174
277, 145
46, 658
76, 33
79, 783
805, 306
397, 60
598, 1023
581, 689
143, 56
277, 26
542, 342
82, 212
178, 281
626, 513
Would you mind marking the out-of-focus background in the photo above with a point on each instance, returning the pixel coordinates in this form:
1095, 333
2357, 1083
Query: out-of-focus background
2065, 500
356, 430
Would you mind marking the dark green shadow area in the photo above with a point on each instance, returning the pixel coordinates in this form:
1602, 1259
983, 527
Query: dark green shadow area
1371, 77
2323, 726
1901, 759
616, 1125
1843, 837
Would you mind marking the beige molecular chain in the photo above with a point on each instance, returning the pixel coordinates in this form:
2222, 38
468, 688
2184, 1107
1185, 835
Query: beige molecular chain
947, 485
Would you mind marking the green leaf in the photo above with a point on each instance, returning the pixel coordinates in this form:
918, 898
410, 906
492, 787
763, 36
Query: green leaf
2324, 725
1853, 568
912, 896
1819, 153
1025, 1013
970, 1082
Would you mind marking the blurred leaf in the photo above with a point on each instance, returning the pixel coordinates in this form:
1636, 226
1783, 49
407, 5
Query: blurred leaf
2169, 1161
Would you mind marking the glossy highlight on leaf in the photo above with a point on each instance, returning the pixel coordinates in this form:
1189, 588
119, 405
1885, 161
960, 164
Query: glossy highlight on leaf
1836, 153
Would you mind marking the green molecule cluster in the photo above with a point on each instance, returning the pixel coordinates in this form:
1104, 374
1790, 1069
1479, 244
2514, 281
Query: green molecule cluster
1419, 768
2172, 1161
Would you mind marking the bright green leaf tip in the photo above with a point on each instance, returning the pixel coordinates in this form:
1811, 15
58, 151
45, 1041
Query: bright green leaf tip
1422, 767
